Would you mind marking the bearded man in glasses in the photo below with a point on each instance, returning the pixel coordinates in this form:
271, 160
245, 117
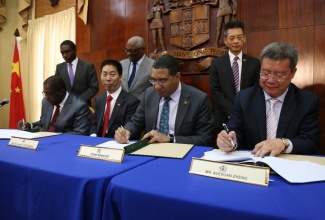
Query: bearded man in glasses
61, 111
275, 116
136, 68
171, 111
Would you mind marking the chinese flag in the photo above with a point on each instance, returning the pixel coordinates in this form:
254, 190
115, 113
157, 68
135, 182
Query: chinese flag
17, 107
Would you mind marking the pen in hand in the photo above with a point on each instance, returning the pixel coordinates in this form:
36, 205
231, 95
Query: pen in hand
227, 130
124, 131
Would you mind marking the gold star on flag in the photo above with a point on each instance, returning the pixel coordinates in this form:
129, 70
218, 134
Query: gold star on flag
15, 68
17, 90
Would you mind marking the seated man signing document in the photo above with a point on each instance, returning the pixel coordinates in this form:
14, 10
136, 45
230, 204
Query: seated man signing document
61, 111
170, 111
275, 116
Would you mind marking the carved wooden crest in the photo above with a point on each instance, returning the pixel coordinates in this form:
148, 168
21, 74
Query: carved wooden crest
189, 26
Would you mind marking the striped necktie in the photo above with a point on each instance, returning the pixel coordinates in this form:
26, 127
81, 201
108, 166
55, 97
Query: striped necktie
271, 120
235, 71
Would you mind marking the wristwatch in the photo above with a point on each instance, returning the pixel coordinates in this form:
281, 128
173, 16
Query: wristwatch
171, 138
286, 143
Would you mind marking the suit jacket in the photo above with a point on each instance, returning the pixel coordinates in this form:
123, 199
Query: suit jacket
194, 120
73, 117
124, 108
141, 80
85, 83
222, 84
297, 122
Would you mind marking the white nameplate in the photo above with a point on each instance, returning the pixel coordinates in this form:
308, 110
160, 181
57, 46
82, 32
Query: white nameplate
29, 144
101, 153
229, 171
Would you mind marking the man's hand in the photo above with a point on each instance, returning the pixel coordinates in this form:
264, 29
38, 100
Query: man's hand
272, 147
155, 136
122, 136
224, 140
23, 125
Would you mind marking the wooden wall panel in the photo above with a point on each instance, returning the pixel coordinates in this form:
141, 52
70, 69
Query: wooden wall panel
295, 13
262, 15
319, 12
43, 8
256, 41
319, 69
303, 40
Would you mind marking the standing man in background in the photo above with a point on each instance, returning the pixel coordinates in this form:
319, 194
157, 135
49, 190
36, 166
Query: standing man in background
79, 76
231, 72
137, 68
115, 107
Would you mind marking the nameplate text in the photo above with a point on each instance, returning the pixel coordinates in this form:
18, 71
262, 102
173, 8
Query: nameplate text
29, 144
101, 153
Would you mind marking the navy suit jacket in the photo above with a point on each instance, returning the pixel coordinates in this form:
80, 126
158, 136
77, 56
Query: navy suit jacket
297, 122
222, 84
125, 107
73, 117
141, 80
85, 83
194, 120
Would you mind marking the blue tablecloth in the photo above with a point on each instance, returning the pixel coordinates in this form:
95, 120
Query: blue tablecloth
53, 183
164, 189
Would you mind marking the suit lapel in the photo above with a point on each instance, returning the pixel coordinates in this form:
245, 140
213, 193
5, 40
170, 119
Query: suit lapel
64, 110
288, 109
78, 69
183, 105
243, 70
118, 104
49, 109
126, 69
153, 112
260, 113
228, 71
65, 75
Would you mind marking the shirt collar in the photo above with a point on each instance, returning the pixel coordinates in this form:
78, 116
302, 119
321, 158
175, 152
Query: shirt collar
280, 98
116, 93
232, 56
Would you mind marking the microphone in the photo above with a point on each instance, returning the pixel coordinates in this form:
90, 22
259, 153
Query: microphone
3, 102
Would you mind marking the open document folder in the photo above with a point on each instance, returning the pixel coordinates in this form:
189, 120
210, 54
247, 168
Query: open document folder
171, 150
8, 133
293, 168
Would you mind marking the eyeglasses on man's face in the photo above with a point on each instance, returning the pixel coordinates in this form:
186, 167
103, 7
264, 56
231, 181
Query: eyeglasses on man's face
49, 94
158, 81
132, 50
279, 77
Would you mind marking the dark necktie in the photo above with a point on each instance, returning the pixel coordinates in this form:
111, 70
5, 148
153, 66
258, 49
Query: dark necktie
54, 118
71, 74
106, 117
235, 71
134, 69
164, 117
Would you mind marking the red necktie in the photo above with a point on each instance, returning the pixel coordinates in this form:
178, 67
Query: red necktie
106, 117
54, 118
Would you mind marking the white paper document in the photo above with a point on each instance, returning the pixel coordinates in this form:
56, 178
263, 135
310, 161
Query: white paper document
114, 144
8, 133
292, 171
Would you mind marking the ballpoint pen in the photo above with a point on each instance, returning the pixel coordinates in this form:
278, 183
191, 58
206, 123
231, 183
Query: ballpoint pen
227, 130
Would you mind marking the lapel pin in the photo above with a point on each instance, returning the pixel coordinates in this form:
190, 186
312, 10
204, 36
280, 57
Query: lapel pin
185, 102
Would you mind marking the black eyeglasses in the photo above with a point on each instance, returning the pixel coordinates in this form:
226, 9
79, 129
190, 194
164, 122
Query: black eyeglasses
158, 81
49, 94
277, 76
132, 50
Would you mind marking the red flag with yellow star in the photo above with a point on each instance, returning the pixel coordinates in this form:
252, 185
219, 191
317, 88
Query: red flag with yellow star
17, 107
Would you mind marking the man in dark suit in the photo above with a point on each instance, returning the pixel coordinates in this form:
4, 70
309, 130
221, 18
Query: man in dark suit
79, 76
61, 111
136, 83
222, 81
121, 107
275, 116
170, 111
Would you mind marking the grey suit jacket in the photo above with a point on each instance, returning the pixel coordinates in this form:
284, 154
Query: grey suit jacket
141, 80
222, 84
85, 83
298, 119
73, 117
124, 108
194, 120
